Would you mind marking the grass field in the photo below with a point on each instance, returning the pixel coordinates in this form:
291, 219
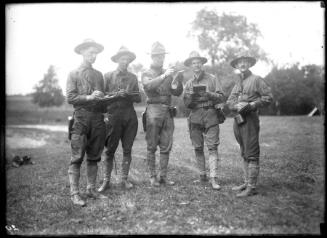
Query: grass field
291, 186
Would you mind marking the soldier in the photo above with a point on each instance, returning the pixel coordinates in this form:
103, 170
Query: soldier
122, 120
84, 89
203, 120
159, 87
249, 94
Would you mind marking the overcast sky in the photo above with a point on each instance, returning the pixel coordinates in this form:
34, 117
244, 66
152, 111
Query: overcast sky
38, 35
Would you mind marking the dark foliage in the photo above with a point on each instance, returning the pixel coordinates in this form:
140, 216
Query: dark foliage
48, 92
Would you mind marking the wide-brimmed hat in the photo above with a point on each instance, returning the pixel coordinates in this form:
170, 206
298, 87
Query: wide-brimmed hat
194, 55
158, 49
248, 58
87, 43
123, 51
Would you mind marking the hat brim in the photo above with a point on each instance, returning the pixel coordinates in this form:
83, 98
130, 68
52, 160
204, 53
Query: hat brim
85, 45
119, 54
248, 58
189, 60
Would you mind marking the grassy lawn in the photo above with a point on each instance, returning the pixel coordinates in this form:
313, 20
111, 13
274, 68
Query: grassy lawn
291, 185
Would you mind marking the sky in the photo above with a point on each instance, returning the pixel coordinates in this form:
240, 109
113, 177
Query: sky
40, 35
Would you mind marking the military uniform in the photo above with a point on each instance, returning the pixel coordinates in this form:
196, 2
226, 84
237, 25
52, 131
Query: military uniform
88, 131
250, 89
203, 121
122, 120
159, 118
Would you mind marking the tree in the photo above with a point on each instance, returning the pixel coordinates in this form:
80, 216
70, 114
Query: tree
47, 92
225, 37
294, 92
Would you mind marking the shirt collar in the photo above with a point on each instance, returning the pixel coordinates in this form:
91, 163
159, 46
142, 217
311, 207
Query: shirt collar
246, 74
121, 72
198, 79
157, 69
86, 65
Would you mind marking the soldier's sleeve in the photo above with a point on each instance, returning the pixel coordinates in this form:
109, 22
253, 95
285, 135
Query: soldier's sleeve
264, 91
233, 98
187, 96
136, 97
150, 83
179, 90
218, 95
100, 82
72, 92
100, 87
108, 83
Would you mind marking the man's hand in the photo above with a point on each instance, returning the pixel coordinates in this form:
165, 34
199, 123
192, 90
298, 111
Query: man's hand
168, 72
253, 106
239, 106
244, 108
96, 95
122, 93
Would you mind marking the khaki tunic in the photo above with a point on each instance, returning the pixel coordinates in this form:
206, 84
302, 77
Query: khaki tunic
88, 132
203, 118
159, 120
250, 88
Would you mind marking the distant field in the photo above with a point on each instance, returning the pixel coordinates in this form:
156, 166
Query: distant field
291, 185
21, 110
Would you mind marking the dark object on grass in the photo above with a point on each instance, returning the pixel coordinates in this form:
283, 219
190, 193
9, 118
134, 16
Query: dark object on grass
18, 161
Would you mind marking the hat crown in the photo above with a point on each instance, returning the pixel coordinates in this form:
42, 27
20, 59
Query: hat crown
246, 57
88, 40
123, 49
157, 48
194, 54
87, 43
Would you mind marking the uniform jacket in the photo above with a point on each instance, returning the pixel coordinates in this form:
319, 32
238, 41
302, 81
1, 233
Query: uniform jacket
202, 108
117, 80
157, 90
250, 88
82, 82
